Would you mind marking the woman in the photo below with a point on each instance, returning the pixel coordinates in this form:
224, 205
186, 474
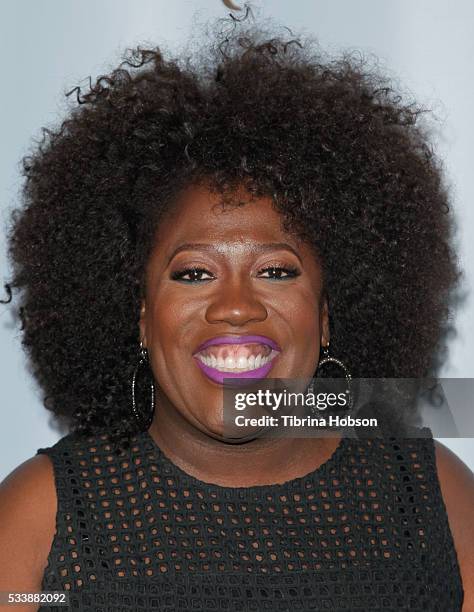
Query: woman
234, 215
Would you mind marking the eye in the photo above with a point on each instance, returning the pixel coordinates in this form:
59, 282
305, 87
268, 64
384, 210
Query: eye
279, 272
194, 275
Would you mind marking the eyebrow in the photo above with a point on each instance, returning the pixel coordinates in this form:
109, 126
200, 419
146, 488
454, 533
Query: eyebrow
260, 248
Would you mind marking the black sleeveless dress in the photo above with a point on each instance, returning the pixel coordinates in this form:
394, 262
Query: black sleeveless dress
367, 530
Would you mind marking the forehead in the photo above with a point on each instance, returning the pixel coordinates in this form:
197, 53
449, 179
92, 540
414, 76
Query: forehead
243, 228
199, 214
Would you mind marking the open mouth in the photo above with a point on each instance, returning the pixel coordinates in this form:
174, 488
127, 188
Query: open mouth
237, 358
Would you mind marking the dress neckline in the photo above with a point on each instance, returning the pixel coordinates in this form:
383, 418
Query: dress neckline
242, 492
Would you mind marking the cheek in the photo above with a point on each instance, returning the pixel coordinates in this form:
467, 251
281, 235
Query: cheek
171, 327
300, 317
307, 333
302, 314
166, 333
171, 314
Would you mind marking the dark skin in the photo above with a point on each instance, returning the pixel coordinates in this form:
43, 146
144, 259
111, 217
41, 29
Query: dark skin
235, 294
175, 318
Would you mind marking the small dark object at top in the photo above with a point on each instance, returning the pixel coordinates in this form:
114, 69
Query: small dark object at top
230, 5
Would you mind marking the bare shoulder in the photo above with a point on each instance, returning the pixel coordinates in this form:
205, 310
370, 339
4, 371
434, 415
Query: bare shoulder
28, 507
457, 487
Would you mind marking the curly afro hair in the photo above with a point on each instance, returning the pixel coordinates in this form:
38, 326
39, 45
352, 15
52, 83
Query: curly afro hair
345, 160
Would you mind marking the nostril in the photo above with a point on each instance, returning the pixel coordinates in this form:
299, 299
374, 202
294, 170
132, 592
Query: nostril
236, 309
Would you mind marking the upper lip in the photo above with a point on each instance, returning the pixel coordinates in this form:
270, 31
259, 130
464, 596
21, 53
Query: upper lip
238, 340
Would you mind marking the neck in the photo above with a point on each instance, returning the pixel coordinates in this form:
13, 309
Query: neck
256, 462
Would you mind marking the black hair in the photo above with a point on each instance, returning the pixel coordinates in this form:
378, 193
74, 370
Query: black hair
330, 140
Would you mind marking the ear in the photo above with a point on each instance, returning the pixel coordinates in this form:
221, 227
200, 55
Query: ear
324, 322
142, 323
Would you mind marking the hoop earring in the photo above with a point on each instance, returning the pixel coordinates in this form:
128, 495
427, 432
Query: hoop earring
328, 359
144, 422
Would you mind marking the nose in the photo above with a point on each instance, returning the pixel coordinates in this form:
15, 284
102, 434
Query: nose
236, 304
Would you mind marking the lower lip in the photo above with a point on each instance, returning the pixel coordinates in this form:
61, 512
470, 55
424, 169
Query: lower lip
218, 377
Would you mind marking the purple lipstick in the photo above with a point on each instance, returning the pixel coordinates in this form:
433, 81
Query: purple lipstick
214, 372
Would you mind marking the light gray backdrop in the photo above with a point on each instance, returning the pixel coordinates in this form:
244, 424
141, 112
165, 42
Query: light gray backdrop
49, 46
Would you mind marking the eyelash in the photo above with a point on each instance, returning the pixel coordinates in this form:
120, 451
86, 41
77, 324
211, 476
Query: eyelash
291, 272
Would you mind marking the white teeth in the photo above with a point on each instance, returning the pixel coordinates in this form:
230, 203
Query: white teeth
241, 364
229, 362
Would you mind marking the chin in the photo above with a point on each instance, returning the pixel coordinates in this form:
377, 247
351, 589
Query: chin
212, 427
217, 430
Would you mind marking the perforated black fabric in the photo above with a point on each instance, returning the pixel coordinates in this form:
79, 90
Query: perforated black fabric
367, 530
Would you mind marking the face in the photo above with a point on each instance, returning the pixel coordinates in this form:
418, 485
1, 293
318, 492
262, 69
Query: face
229, 293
